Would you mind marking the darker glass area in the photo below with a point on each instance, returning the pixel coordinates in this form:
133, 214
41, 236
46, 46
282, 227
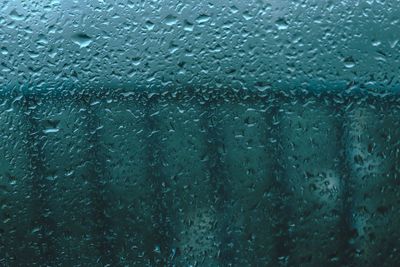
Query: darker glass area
199, 178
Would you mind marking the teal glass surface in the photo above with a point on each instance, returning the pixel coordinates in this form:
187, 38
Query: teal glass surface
199, 133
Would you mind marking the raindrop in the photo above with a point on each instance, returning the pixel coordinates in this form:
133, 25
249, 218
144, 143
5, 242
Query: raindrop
376, 43
188, 26
202, 18
4, 51
149, 25
393, 43
136, 61
247, 16
15, 15
51, 130
157, 249
51, 177
171, 20
35, 230
349, 62
234, 9
81, 39
281, 24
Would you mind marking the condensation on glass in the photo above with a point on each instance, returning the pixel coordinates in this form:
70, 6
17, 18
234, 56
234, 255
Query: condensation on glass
199, 133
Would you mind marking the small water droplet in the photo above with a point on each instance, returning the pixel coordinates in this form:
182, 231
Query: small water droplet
51, 130
349, 62
202, 18
376, 42
35, 230
136, 61
393, 43
51, 177
157, 249
69, 173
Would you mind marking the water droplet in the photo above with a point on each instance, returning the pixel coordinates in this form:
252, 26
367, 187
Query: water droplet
349, 62
376, 43
81, 39
51, 177
188, 26
202, 18
35, 230
4, 51
15, 15
393, 43
149, 25
247, 16
136, 61
157, 249
234, 9
69, 173
281, 24
51, 130
171, 20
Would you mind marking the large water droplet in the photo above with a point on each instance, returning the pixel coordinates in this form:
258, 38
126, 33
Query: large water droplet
171, 20
15, 15
81, 39
281, 24
149, 25
4, 50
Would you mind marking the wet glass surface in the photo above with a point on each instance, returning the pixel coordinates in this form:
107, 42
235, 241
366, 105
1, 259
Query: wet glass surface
199, 177
186, 133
